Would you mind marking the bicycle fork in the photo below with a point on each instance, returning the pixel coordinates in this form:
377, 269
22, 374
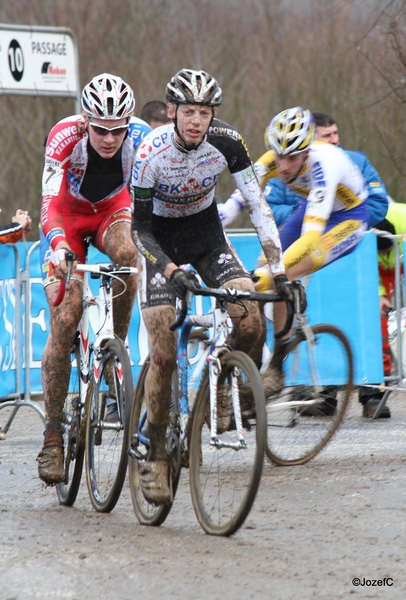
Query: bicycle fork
214, 372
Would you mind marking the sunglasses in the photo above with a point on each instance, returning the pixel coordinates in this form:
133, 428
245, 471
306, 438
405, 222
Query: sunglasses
103, 131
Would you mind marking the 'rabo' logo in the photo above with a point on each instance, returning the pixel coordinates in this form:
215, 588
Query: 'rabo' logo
48, 69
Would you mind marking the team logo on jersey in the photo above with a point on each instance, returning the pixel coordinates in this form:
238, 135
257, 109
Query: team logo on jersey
145, 150
316, 196
190, 186
318, 175
208, 161
224, 258
158, 281
74, 177
63, 138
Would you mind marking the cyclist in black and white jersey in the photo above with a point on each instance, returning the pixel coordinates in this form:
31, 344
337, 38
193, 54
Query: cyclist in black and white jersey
176, 222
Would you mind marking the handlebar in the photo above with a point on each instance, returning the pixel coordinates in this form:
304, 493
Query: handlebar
233, 296
183, 309
95, 269
70, 258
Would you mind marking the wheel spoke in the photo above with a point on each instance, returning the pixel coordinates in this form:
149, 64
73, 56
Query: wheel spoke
224, 478
318, 379
106, 443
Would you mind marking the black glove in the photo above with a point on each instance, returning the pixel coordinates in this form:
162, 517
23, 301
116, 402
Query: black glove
181, 281
302, 295
283, 287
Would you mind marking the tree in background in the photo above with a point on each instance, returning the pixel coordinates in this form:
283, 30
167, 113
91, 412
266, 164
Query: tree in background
344, 57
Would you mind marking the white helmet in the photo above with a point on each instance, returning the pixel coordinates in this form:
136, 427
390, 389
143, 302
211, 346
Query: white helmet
107, 97
291, 131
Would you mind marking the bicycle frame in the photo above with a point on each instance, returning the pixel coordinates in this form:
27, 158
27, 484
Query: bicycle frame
206, 322
105, 329
217, 320
218, 345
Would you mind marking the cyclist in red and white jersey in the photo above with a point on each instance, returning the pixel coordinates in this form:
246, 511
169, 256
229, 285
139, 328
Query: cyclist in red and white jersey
88, 164
176, 222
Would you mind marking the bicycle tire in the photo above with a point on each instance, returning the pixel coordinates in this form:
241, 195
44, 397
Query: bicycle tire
296, 435
74, 448
146, 512
106, 448
222, 493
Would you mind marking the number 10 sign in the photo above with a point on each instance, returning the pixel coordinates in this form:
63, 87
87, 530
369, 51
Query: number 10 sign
41, 61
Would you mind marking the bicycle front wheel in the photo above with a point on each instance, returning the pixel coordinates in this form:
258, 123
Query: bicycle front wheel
74, 447
146, 512
107, 440
225, 474
318, 379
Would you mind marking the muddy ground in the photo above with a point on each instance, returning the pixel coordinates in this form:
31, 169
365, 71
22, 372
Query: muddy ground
312, 530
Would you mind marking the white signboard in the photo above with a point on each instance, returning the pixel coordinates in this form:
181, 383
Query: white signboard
39, 61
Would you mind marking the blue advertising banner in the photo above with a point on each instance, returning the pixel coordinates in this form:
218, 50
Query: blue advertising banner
8, 334
344, 293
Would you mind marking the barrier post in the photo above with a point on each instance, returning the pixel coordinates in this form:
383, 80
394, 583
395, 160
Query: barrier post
22, 291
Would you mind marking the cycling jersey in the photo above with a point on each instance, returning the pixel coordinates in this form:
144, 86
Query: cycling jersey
169, 183
377, 201
284, 200
83, 193
66, 163
331, 218
331, 221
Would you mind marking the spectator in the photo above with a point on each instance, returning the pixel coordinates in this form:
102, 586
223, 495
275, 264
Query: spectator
395, 224
154, 113
14, 231
377, 202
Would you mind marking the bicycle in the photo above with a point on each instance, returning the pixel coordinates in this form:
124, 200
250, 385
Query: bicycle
318, 368
103, 370
225, 463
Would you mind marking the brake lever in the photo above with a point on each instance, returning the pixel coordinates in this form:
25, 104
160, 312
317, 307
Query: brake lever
69, 258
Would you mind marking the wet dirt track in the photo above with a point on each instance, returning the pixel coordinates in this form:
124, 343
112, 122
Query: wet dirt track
312, 530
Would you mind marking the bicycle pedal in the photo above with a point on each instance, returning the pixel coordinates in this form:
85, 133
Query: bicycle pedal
135, 453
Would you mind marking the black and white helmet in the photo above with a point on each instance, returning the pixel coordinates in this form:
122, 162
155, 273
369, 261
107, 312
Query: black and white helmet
193, 87
107, 97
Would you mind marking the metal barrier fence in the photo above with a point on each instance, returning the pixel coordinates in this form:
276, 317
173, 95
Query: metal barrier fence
343, 293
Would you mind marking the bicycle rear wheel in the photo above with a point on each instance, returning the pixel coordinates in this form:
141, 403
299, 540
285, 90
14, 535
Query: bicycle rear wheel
106, 443
318, 381
74, 447
224, 478
146, 512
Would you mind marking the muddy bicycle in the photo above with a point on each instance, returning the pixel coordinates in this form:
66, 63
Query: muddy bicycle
225, 463
318, 375
102, 372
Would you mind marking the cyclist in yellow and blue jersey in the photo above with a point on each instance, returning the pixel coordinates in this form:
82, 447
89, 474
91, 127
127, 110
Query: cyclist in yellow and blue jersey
283, 200
331, 219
